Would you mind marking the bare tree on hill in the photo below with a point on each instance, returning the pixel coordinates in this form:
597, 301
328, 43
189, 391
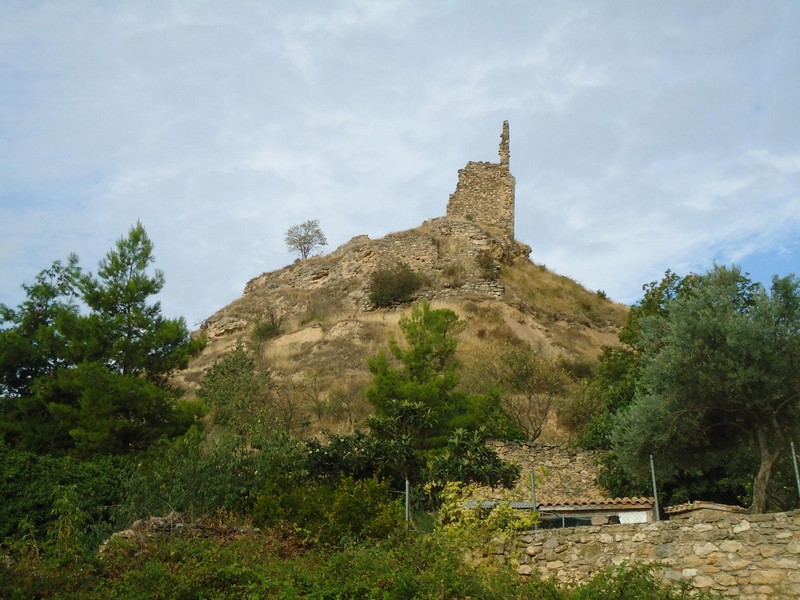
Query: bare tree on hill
305, 238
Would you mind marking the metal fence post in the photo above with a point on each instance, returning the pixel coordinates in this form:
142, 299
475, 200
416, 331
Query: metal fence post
408, 504
533, 496
655, 491
796, 472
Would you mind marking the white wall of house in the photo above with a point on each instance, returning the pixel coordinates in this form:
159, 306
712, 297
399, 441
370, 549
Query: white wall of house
635, 516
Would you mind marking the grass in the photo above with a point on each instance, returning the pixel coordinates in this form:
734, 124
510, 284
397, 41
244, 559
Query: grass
560, 298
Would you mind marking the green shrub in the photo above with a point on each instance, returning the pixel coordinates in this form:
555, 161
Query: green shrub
393, 285
468, 524
577, 412
217, 562
361, 456
235, 394
200, 476
330, 514
577, 367
30, 484
266, 330
466, 458
487, 265
635, 581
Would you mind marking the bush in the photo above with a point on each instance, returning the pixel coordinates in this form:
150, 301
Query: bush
361, 455
468, 524
331, 514
255, 567
578, 413
201, 477
635, 581
269, 326
235, 394
466, 458
217, 562
30, 484
393, 285
487, 265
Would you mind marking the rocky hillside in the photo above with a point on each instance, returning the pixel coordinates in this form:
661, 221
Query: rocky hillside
327, 327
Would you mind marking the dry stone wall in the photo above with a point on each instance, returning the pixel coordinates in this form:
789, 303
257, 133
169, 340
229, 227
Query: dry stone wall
561, 472
752, 557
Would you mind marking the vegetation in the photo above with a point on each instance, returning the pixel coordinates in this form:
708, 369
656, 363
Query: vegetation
305, 238
528, 382
416, 394
559, 298
268, 326
96, 382
216, 561
394, 285
92, 439
31, 484
707, 382
488, 267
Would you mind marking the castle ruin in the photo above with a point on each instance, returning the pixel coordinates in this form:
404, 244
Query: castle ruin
485, 192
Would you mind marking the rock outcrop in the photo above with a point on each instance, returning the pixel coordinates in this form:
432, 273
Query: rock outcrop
467, 259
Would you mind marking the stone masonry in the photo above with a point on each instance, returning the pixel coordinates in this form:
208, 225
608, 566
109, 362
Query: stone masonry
448, 252
485, 192
754, 556
561, 472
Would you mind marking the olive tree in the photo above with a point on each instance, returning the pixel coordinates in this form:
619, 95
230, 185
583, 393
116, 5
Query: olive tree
720, 373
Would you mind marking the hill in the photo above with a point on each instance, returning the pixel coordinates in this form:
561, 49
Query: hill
314, 326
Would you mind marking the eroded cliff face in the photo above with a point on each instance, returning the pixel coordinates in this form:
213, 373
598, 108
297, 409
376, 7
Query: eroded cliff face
443, 251
317, 294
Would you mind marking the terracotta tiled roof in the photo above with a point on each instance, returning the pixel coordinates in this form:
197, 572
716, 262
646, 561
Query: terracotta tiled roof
598, 502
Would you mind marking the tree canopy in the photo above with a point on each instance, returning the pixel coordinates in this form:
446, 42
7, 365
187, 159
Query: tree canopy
420, 383
305, 238
84, 359
719, 375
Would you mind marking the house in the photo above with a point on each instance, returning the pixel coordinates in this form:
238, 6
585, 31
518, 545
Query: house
599, 511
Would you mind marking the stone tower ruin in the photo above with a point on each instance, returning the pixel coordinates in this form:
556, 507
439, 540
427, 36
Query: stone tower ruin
485, 192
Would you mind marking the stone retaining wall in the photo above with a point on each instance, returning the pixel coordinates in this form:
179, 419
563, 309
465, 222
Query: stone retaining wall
754, 557
562, 472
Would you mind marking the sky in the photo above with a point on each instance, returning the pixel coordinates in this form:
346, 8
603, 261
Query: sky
645, 135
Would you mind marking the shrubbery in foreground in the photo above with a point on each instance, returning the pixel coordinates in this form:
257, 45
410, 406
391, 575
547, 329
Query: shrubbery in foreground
218, 562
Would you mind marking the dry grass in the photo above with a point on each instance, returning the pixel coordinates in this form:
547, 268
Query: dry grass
559, 298
324, 337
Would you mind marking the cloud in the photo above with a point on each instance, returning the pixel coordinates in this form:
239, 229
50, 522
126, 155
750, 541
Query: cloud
644, 135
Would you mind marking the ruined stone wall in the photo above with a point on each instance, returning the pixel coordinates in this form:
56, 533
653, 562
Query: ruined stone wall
346, 271
753, 556
436, 245
485, 192
561, 472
